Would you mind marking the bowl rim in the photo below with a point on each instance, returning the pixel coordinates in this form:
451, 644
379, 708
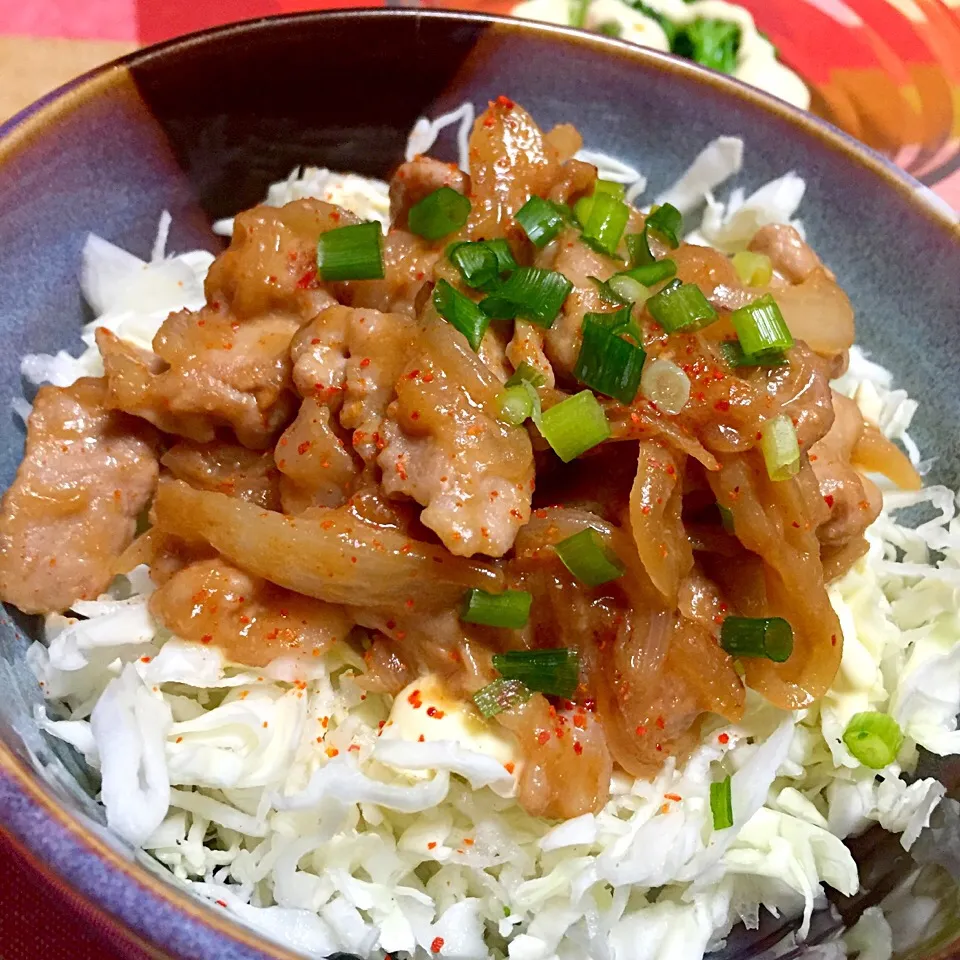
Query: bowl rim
44, 812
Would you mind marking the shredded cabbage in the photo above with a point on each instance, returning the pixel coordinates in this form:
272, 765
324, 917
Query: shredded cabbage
270, 792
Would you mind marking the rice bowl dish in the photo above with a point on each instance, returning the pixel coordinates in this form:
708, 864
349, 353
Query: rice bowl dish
340, 802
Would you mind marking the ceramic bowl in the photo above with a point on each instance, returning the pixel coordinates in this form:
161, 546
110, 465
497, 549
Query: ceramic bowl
199, 126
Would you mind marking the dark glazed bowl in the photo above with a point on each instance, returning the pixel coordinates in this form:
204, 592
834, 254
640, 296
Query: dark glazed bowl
199, 126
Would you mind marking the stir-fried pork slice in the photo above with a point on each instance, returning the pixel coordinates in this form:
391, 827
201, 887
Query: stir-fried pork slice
87, 473
790, 255
447, 450
567, 767
227, 468
349, 359
417, 179
578, 263
526, 346
328, 554
510, 160
250, 619
208, 371
631, 644
271, 263
577, 179
853, 500
713, 273
318, 469
408, 264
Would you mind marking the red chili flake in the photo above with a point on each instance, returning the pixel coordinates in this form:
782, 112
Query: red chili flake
505, 102
206, 638
265, 724
305, 281
324, 721
468, 841
722, 405
353, 559
437, 945
645, 509
353, 747
795, 524
327, 524
660, 723
427, 378
390, 625
408, 603
414, 700
659, 748
415, 415
489, 122
641, 730
431, 845
580, 721
221, 903
145, 659
828, 500
381, 724
542, 737
179, 740
332, 752
509, 767
413, 374
675, 797
421, 738
590, 705
833, 639
724, 738
303, 447
577, 747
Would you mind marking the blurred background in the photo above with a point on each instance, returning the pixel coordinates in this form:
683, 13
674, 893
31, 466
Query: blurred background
886, 71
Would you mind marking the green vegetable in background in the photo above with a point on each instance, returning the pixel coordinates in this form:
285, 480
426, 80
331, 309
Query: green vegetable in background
713, 43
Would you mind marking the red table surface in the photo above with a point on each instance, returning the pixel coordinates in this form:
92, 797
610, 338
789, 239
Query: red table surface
41, 918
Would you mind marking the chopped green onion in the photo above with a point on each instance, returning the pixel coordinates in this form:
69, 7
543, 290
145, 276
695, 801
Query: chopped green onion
439, 214
574, 425
770, 637
514, 404
754, 269
531, 293
714, 43
761, 328
607, 363
650, 273
477, 263
668, 222
527, 373
555, 671
500, 695
721, 804
726, 518
778, 443
608, 294
351, 253
460, 311
510, 609
589, 559
503, 253
735, 357
638, 247
628, 289
665, 385
873, 738
540, 221
605, 224
584, 205
681, 306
